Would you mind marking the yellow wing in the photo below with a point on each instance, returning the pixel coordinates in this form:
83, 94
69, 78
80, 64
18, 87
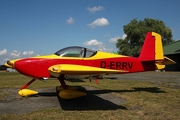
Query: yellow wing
56, 70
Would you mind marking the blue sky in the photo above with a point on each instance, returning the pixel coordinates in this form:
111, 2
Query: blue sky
38, 27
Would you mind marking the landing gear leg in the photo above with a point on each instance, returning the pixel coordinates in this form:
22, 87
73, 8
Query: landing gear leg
26, 85
62, 82
68, 92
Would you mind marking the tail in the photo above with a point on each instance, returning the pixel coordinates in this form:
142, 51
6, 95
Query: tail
152, 54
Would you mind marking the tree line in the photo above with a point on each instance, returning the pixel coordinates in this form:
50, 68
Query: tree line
136, 31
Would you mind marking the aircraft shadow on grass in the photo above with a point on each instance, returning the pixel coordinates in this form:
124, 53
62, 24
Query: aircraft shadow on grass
92, 101
74, 80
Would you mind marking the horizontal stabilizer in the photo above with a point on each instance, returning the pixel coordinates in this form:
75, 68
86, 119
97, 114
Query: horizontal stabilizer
160, 64
168, 61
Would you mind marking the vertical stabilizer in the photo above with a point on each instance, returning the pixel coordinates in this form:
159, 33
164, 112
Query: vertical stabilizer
152, 48
152, 54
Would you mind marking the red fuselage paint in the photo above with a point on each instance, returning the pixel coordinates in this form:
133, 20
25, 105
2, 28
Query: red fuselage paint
38, 67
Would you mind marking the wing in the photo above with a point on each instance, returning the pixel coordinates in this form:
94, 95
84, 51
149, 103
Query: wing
56, 70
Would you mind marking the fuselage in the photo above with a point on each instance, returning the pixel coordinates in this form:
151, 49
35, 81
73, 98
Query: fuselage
37, 67
79, 57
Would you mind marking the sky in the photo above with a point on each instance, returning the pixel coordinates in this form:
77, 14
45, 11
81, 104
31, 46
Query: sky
40, 27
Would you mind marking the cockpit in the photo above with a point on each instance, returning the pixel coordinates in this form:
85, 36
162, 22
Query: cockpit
76, 51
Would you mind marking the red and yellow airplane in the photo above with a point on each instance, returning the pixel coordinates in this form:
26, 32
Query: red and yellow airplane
82, 61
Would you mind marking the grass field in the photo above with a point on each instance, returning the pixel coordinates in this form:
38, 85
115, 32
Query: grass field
144, 100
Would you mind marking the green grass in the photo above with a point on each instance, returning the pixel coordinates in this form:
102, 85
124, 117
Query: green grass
16, 80
144, 101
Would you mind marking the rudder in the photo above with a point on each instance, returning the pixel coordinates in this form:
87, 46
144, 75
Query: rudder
152, 51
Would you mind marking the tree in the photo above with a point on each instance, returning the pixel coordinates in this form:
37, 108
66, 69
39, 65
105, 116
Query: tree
136, 32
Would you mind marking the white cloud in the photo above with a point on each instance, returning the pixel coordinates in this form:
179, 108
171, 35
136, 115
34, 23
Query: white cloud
15, 53
3, 52
95, 9
99, 22
105, 49
124, 36
97, 45
4, 55
93, 42
114, 39
70, 20
28, 53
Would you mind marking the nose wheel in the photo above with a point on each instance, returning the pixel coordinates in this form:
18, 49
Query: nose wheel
27, 92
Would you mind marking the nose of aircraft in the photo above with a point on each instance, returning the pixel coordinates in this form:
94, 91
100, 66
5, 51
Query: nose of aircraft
10, 64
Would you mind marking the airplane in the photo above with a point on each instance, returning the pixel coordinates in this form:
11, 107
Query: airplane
77, 60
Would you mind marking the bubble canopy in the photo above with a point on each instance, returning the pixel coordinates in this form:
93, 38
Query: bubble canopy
76, 51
